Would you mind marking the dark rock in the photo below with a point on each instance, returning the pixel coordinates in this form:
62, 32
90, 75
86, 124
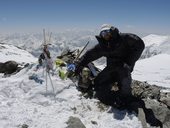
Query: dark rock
157, 103
25, 126
75, 122
144, 90
8, 67
160, 110
94, 122
1, 68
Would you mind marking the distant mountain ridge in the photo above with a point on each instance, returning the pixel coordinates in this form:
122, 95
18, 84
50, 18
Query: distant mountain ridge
156, 44
32, 41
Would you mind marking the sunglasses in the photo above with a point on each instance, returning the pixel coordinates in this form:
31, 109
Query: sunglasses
105, 32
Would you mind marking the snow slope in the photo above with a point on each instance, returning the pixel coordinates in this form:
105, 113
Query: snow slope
155, 65
154, 70
23, 101
10, 52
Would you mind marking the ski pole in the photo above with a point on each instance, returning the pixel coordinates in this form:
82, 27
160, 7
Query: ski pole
51, 82
46, 81
81, 51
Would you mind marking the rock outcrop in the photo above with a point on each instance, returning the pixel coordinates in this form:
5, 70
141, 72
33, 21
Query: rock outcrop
74, 122
8, 67
157, 103
152, 92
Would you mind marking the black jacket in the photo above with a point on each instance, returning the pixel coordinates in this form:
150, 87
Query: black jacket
126, 49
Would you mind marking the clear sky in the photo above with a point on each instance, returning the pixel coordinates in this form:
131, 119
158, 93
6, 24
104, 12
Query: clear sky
141, 16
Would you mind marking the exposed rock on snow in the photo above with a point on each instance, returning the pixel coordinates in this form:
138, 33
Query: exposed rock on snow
8, 67
157, 102
75, 122
159, 110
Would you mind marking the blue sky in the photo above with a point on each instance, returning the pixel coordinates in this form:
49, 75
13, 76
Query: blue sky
140, 16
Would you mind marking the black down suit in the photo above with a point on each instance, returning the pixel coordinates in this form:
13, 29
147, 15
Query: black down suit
121, 54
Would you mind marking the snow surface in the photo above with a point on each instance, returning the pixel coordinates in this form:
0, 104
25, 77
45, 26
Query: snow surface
154, 70
10, 52
23, 101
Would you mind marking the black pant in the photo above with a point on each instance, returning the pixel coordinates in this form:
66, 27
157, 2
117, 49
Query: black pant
104, 81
